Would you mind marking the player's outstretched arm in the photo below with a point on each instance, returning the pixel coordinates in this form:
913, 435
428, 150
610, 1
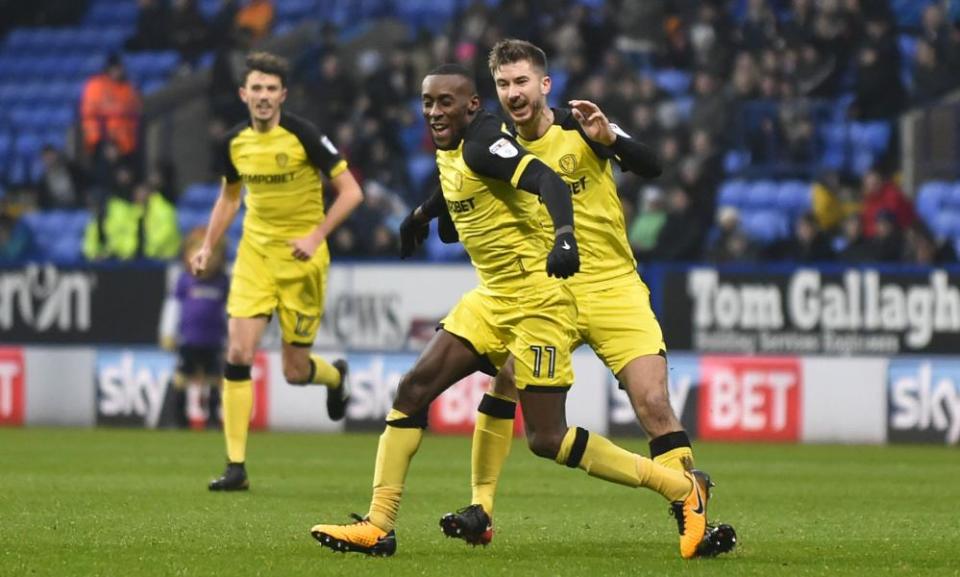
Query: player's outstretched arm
496, 154
632, 155
222, 215
348, 198
564, 259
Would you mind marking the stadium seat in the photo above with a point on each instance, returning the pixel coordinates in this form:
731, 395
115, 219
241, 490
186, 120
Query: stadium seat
953, 198
295, 9
764, 226
873, 136
188, 220
931, 197
794, 197
732, 193
676, 82
111, 13
199, 196
682, 106
945, 224
420, 167
762, 194
735, 161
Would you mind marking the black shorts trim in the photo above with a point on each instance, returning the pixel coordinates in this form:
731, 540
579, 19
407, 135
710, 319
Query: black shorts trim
486, 365
547, 388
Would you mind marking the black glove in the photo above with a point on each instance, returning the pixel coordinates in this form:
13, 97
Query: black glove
412, 234
564, 259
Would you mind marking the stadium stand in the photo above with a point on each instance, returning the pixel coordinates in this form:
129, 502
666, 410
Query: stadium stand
789, 104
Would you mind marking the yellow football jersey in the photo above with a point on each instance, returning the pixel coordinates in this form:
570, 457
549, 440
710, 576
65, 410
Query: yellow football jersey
498, 225
598, 215
284, 197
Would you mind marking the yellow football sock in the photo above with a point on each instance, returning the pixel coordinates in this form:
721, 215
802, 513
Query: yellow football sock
324, 373
398, 445
237, 406
674, 458
492, 439
599, 457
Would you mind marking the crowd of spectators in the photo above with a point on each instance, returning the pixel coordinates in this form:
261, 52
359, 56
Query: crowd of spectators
784, 59
760, 71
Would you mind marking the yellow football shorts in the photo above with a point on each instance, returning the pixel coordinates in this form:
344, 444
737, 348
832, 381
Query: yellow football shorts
266, 278
538, 328
616, 320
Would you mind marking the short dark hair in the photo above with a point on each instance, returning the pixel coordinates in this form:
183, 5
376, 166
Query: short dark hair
268, 64
512, 50
454, 69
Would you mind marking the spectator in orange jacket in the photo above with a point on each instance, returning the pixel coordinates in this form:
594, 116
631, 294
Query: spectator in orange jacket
257, 16
110, 109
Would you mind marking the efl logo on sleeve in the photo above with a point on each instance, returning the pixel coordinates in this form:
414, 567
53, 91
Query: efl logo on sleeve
750, 398
11, 386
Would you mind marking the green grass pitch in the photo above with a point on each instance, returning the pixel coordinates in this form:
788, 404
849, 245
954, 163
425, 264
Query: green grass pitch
132, 503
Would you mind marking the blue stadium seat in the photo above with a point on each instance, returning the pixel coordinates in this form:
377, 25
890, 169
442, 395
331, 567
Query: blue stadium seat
907, 12
945, 224
66, 250
199, 196
931, 196
420, 167
764, 225
189, 219
6, 144
295, 9
683, 105
112, 13
735, 161
676, 82
762, 194
873, 136
952, 199
560, 79
795, 197
834, 133
732, 193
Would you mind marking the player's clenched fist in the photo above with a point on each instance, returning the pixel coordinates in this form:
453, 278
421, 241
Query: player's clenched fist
198, 262
412, 234
564, 259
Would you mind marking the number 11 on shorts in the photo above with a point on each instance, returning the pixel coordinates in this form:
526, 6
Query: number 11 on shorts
538, 359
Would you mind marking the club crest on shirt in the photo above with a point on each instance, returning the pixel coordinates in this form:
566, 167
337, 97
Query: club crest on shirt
282, 159
504, 148
568, 163
452, 179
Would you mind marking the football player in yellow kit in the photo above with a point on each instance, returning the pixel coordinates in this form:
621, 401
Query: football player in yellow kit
614, 315
486, 180
282, 260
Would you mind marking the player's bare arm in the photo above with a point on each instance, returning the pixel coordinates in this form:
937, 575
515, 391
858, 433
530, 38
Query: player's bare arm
348, 198
221, 217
